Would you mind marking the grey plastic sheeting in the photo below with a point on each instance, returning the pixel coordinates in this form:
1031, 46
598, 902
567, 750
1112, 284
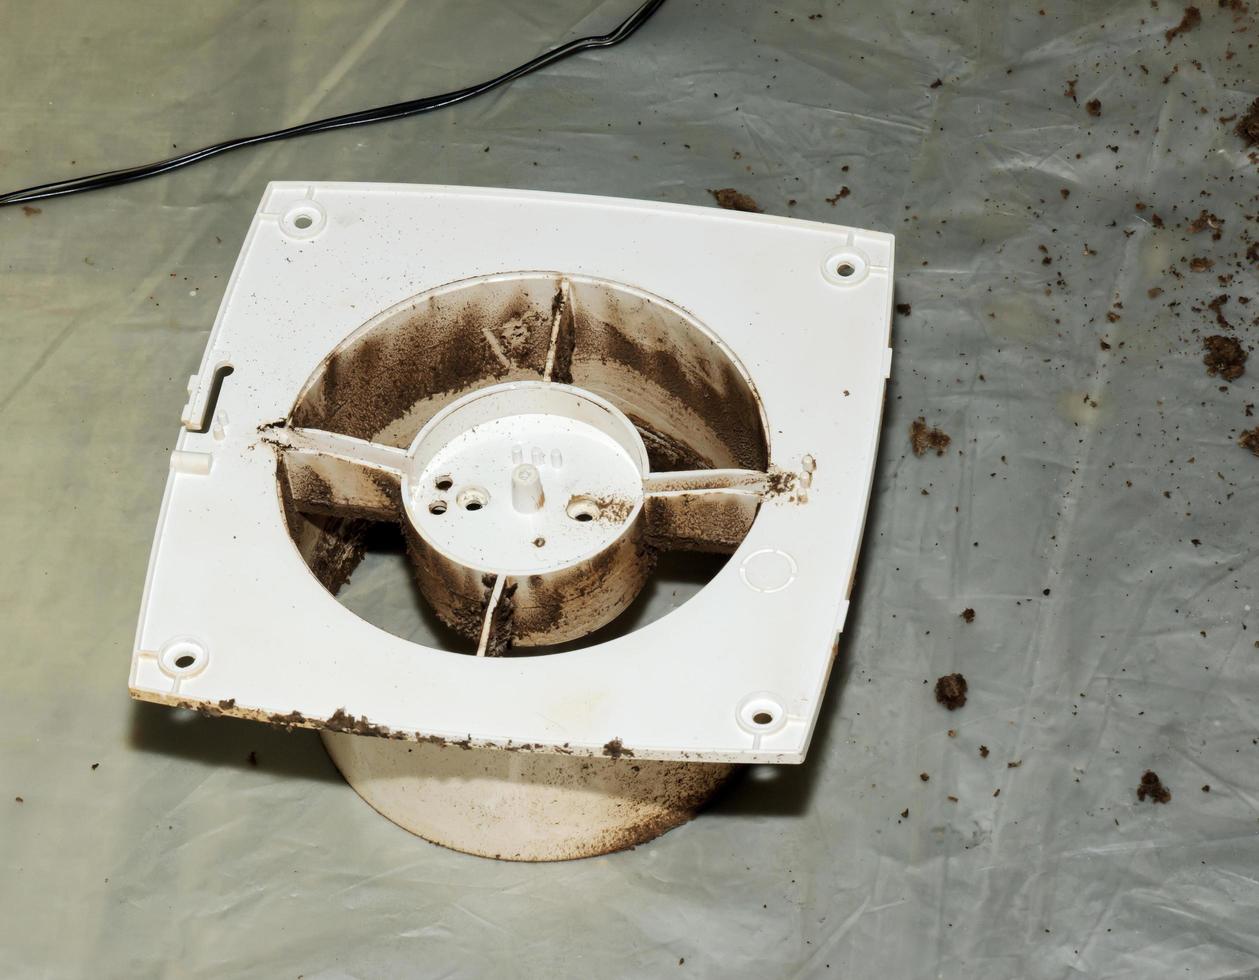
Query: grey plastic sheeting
1094, 508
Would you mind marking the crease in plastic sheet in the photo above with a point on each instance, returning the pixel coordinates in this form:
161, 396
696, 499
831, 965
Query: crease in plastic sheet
1093, 507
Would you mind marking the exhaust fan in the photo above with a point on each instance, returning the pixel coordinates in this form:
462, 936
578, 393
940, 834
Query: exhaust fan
545, 393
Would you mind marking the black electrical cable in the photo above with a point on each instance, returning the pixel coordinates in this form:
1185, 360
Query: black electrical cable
397, 110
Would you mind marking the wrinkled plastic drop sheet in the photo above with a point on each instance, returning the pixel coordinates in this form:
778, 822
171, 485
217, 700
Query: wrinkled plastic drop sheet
1093, 507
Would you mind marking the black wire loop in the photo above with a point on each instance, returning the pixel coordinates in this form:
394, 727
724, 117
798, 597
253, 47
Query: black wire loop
398, 110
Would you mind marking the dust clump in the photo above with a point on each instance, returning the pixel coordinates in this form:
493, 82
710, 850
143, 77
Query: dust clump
733, 200
924, 438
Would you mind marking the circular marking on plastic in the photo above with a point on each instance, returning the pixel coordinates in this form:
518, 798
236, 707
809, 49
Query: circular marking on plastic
768, 570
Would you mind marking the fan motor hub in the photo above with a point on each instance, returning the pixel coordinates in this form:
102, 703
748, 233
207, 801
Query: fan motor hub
525, 478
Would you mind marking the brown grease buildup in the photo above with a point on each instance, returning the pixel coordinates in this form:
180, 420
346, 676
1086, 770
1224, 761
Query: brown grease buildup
923, 438
951, 691
733, 200
1152, 787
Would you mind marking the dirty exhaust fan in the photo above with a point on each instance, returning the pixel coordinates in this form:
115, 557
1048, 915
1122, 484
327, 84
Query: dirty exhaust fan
550, 398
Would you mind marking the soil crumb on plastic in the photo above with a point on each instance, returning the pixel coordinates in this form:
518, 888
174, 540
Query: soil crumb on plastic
923, 438
1200, 263
1224, 357
842, 193
904, 309
733, 200
614, 749
983, 752
1248, 125
925, 777
1216, 306
951, 691
968, 615
1250, 440
1094, 107
1205, 220
1191, 19
30, 212
1153, 788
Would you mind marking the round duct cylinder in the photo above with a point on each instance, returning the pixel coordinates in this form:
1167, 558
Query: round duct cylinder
522, 806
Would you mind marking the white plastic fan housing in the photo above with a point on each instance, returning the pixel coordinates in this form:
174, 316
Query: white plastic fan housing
545, 392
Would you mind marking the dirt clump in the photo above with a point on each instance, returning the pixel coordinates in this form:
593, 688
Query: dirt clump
1191, 19
968, 615
1224, 356
1152, 787
951, 691
1093, 107
733, 200
1250, 440
1248, 125
1205, 220
924, 438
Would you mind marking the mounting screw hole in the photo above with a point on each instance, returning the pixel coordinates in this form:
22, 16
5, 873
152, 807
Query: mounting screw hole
443, 482
473, 498
182, 656
304, 220
761, 713
437, 507
583, 509
846, 266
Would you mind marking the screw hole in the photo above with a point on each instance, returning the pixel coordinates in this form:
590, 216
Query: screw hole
845, 269
184, 661
444, 483
303, 221
583, 509
473, 498
437, 507
763, 718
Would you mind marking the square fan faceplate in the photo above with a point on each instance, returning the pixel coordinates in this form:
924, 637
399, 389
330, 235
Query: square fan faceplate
235, 619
